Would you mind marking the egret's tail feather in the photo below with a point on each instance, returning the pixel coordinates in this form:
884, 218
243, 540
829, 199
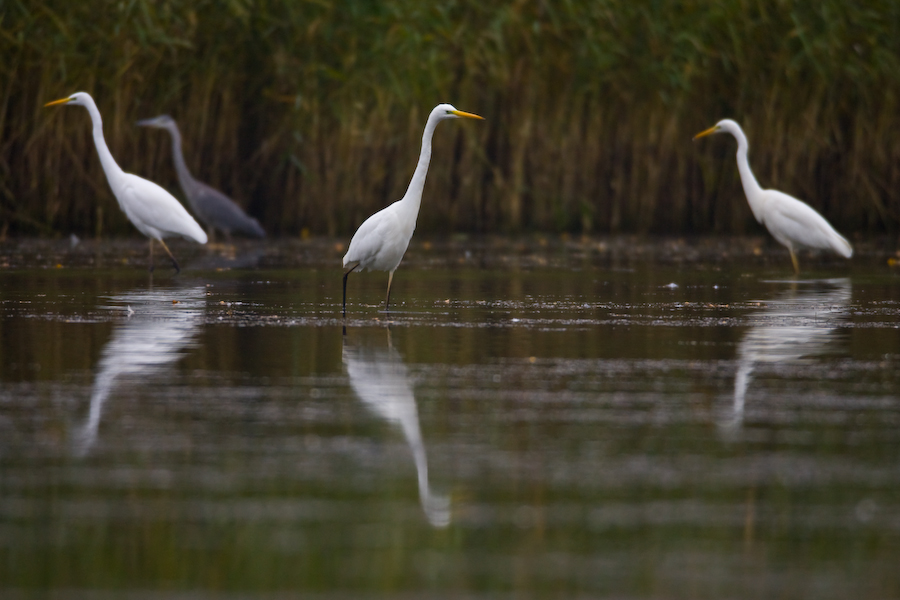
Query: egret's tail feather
843, 247
196, 234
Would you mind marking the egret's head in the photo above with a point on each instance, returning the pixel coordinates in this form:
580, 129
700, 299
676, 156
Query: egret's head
723, 126
76, 99
448, 111
160, 122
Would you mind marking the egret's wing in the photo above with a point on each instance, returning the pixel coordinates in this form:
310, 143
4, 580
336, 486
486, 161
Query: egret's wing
218, 210
153, 209
380, 241
365, 242
802, 225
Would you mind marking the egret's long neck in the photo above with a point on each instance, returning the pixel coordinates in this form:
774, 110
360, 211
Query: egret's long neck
110, 167
751, 186
184, 176
412, 200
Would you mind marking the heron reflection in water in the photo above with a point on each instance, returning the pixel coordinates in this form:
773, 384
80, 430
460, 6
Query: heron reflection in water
159, 325
794, 325
380, 379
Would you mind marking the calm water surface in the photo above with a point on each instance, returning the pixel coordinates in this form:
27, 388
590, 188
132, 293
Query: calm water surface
540, 424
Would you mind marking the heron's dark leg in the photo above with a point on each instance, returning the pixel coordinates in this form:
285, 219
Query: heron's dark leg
794, 260
344, 302
151, 256
387, 299
174, 262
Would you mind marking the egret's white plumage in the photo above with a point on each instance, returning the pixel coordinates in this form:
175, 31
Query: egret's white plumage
382, 239
153, 210
792, 222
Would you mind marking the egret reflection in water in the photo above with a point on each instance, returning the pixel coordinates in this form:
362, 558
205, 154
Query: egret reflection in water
158, 326
795, 324
380, 379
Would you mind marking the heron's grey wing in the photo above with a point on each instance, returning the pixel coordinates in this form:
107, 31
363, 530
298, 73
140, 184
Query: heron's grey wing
218, 210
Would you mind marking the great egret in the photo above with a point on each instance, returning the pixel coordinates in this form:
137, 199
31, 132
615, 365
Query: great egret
210, 205
382, 239
792, 222
153, 210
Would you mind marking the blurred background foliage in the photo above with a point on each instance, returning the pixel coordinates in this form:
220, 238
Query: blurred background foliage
310, 112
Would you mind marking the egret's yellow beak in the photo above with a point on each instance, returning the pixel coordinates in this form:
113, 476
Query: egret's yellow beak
709, 131
60, 101
460, 113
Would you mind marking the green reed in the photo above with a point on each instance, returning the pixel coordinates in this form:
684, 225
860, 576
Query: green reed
310, 113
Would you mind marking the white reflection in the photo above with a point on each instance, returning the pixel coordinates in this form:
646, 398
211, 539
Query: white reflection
159, 324
795, 324
379, 378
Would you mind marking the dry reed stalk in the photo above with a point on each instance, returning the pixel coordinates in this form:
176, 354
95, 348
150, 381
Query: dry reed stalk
310, 114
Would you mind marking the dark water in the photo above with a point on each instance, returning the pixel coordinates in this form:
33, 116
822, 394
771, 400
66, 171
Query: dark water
530, 422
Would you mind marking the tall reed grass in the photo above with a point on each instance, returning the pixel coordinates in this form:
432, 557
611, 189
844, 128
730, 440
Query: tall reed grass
310, 113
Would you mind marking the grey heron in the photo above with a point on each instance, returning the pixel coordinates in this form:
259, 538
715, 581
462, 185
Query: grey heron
211, 206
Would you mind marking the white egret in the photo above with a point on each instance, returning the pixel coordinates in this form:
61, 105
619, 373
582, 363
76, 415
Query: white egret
382, 239
210, 205
153, 210
792, 222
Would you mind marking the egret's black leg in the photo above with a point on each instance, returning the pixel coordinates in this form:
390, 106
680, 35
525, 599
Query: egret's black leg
344, 302
150, 268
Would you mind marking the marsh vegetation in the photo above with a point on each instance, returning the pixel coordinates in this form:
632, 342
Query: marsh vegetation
310, 113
